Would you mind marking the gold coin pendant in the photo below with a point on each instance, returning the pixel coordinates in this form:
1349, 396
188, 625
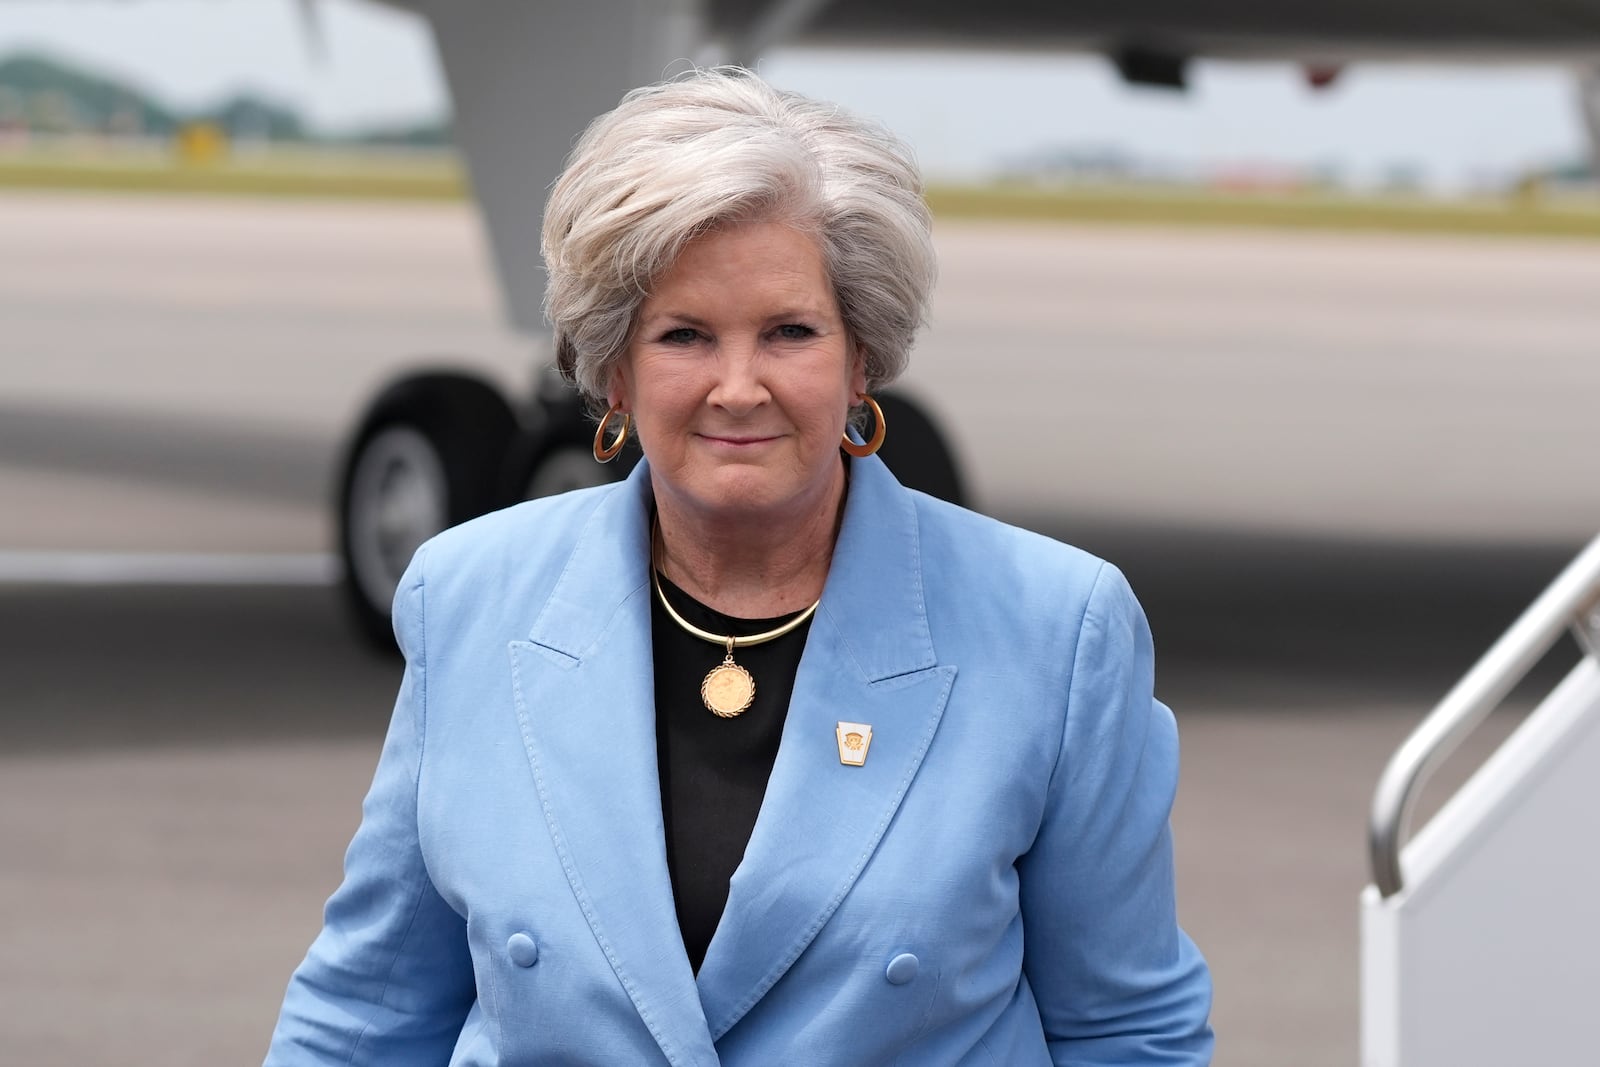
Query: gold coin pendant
728, 689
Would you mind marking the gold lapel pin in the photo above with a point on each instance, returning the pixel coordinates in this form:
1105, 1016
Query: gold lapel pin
854, 740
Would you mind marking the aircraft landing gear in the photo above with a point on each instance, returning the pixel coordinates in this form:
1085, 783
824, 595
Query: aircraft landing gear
427, 456
918, 452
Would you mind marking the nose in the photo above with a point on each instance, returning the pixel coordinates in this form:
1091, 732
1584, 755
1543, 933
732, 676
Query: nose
739, 388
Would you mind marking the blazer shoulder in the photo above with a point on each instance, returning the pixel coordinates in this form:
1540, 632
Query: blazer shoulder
992, 590
505, 560
970, 553
547, 522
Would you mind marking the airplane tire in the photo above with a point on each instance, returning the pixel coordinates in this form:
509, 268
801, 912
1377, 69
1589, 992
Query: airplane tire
427, 456
559, 455
916, 450
564, 467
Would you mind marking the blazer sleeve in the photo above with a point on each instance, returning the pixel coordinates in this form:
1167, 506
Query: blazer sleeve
389, 979
1116, 980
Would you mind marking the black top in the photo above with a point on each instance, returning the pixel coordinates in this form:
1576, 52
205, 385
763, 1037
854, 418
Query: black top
713, 771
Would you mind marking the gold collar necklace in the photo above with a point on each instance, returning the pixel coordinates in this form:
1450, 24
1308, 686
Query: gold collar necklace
727, 688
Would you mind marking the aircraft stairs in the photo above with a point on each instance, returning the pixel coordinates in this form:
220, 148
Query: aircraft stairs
1480, 936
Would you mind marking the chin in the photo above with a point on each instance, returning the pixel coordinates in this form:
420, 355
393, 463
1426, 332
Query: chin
749, 492
744, 501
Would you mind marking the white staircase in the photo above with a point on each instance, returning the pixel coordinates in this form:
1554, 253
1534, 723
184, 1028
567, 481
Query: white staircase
1480, 938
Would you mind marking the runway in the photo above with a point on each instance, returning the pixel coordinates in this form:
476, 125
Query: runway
181, 766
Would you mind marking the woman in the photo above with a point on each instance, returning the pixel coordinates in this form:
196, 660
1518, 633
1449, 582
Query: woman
756, 757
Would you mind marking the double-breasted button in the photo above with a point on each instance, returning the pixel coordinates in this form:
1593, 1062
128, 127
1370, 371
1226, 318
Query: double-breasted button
524, 950
902, 969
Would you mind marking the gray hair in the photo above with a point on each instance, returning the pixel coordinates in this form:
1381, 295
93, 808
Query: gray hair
720, 147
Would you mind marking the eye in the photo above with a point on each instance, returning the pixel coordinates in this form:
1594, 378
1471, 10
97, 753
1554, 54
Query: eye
795, 331
683, 335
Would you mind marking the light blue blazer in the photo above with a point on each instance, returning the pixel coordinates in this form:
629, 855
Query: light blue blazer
994, 886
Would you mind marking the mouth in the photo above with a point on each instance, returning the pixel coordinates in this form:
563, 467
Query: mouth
738, 440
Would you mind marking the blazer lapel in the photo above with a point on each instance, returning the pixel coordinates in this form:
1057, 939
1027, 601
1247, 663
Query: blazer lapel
869, 659
586, 703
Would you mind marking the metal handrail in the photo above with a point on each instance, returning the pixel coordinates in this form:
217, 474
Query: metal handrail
1571, 601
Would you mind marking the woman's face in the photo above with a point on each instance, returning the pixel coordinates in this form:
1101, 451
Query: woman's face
740, 374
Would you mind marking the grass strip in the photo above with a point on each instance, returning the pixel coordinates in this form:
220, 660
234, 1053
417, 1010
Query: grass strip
1525, 216
334, 181
442, 179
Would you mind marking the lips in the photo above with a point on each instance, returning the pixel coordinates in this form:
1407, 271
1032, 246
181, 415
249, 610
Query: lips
739, 440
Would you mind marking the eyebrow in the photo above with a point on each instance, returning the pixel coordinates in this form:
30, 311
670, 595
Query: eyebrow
675, 316
787, 314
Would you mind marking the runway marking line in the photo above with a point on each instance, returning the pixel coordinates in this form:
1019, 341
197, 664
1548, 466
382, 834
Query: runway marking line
168, 568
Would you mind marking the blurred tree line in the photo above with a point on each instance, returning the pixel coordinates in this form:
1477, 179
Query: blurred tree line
43, 96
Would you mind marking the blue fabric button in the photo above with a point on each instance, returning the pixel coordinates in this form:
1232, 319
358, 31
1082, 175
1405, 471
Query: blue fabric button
524, 951
902, 968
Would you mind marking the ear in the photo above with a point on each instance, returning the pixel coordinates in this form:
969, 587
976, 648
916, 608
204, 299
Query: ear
858, 375
617, 388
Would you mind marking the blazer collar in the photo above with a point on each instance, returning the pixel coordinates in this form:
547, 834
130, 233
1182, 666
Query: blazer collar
609, 565
874, 590
585, 697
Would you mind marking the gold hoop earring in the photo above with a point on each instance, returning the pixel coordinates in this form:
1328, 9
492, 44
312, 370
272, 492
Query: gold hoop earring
606, 453
878, 433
